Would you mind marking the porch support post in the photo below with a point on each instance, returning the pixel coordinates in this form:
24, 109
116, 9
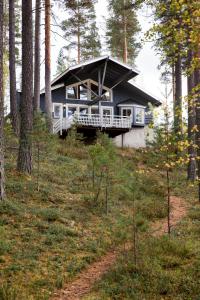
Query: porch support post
99, 92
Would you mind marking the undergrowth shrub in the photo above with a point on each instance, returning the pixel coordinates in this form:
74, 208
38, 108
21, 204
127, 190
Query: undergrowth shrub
7, 292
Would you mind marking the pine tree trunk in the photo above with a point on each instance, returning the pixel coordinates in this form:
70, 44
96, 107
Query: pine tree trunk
48, 100
36, 103
197, 83
125, 51
191, 123
26, 108
12, 68
78, 39
2, 178
178, 96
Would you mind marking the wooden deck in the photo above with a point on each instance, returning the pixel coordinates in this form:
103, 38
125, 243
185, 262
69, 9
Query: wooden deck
88, 121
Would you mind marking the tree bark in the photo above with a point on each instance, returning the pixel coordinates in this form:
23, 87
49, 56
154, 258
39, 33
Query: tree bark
78, 39
2, 177
178, 96
26, 105
191, 122
12, 69
197, 106
125, 50
36, 103
48, 100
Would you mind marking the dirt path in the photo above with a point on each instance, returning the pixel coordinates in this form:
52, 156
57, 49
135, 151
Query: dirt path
76, 289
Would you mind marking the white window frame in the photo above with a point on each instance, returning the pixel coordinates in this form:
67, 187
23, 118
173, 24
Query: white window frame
127, 107
77, 106
107, 107
88, 81
143, 120
61, 106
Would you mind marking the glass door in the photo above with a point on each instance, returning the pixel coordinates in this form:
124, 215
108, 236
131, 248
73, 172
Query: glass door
107, 111
58, 111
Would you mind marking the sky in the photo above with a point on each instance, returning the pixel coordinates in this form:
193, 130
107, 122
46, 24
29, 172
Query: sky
146, 62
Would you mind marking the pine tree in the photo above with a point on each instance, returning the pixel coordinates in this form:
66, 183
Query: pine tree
122, 30
48, 99
12, 68
2, 178
169, 43
61, 62
36, 103
26, 104
81, 28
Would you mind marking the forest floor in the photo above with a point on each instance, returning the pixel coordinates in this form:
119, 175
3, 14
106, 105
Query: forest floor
82, 285
53, 227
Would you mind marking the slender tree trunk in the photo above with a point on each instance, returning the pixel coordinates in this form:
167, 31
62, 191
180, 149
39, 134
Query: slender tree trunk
78, 39
12, 68
191, 123
178, 96
48, 100
36, 104
2, 178
173, 84
125, 50
26, 108
197, 83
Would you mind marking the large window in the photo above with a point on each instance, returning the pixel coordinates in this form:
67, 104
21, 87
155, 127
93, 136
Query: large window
139, 115
87, 90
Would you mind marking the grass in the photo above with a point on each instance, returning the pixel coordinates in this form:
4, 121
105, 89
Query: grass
49, 236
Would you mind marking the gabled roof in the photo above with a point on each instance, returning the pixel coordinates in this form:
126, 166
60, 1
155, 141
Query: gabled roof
140, 96
115, 71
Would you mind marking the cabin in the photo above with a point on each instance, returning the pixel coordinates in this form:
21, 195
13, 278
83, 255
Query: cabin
98, 95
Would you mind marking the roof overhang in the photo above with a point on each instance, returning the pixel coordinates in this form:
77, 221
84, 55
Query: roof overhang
144, 97
115, 71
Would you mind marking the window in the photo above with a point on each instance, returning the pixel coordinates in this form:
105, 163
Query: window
82, 92
71, 93
105, 92
107, 111
83, 111
126, 112
57, 111
94, 111
106, 96
139, 115
71, 111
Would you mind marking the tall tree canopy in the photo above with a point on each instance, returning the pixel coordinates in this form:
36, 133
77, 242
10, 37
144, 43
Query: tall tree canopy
80, 28
122, 30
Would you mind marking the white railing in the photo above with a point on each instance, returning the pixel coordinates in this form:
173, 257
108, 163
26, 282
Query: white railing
101, 121
107, 121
